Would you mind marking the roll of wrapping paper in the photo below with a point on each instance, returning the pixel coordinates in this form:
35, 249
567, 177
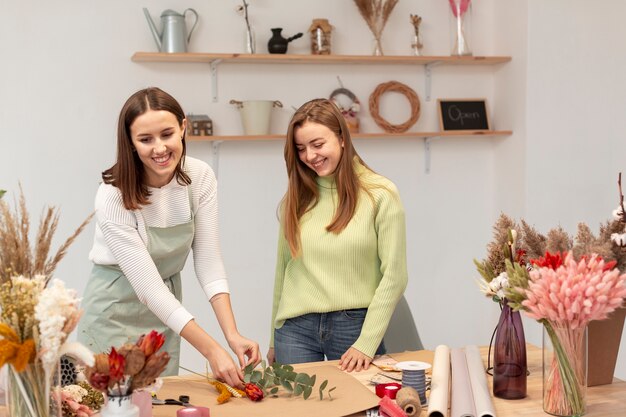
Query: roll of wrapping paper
440, 383
461, 399
480, 389
409, 400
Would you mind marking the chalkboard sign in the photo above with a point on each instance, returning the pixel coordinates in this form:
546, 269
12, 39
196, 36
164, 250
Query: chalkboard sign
463, 114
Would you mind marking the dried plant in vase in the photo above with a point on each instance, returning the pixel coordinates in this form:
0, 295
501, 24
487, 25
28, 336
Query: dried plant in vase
376, 13
35, 318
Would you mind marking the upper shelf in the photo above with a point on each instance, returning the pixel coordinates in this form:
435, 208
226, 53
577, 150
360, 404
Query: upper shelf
317, 59
359, 135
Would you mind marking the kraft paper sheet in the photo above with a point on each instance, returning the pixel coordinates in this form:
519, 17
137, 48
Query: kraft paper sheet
349, 397
440, 383
462, 400
480, 388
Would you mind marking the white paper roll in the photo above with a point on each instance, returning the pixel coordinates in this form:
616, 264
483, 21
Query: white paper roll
480, 389
462, 400
440, 383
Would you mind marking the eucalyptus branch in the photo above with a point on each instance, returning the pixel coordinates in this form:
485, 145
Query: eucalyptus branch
271, 378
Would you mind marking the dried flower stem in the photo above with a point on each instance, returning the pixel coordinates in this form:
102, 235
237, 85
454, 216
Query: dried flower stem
16, 256
376, 13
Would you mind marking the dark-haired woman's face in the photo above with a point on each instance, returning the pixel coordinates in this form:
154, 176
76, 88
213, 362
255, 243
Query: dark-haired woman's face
157, 138
318, 147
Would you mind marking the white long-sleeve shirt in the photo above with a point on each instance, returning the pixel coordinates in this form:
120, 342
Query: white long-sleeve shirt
121, 239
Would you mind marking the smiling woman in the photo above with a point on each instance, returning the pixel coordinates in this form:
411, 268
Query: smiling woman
341, 266
155, 206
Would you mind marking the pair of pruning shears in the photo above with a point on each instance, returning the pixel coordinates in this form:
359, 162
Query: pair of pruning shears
182, 400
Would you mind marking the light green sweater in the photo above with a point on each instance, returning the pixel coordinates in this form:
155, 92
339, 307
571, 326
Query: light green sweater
364, 266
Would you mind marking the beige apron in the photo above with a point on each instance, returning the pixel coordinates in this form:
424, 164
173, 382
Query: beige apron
113, 315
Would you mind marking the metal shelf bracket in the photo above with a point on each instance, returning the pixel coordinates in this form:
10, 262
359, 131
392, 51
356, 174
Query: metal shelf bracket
427, 80
214, 64
427, 141
215, 157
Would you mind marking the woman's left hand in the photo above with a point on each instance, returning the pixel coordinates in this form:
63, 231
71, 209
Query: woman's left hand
354, 360
245, 348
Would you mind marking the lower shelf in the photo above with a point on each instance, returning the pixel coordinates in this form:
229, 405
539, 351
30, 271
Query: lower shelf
426, 136
359, 135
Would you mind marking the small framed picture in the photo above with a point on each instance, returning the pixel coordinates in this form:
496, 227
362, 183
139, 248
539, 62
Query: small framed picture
463, 114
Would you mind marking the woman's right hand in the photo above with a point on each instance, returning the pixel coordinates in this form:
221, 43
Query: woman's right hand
224, 367
271, 357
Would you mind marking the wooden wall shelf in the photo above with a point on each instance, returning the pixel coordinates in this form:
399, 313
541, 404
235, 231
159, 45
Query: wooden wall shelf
420, 135
426, 136
208, 58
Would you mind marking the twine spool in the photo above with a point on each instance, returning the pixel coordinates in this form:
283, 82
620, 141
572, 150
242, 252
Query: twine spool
409, 401
398, 87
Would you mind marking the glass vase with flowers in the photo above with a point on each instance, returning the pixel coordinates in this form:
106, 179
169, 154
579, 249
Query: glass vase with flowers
509, 356
36, 318
564, 294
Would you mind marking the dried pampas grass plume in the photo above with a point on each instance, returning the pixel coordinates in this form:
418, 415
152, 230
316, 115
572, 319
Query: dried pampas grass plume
16, 255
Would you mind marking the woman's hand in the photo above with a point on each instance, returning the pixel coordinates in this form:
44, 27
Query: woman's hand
271, 356
224, 367
354, 360
245, 348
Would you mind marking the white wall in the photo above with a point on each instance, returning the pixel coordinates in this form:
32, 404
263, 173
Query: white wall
66, 71
575, 99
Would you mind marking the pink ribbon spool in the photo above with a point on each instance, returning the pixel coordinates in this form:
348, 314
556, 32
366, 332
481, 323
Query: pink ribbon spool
193, 412
388, 390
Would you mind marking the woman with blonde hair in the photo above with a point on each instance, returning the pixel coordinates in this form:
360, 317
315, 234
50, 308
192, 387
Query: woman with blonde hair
341, 264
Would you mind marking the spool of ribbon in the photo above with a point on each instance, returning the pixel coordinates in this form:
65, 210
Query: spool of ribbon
388, 390
193, 412
414, 376
408, 399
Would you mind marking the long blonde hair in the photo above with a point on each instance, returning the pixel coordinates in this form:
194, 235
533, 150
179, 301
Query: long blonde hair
302, 193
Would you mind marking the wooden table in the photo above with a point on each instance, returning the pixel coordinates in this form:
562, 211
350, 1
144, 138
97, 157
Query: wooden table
602, 401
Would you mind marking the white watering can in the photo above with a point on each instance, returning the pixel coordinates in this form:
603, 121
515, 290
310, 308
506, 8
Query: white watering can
173, 36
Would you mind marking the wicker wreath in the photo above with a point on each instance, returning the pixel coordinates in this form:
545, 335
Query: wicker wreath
400, 88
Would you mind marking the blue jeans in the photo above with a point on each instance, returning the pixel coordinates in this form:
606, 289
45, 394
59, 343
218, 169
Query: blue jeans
311, 337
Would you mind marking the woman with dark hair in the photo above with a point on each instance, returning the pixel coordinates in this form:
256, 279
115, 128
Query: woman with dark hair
341, 266
154, 206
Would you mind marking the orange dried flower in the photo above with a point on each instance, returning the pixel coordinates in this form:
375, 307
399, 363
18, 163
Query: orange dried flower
224, 393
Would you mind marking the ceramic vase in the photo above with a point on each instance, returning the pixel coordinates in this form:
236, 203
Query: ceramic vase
120, 406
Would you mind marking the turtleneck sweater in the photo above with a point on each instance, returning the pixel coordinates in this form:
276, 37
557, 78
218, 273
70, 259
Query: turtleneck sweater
363, 266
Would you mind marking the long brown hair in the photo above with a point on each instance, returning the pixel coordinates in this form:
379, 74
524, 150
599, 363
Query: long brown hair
128, 172
302, 193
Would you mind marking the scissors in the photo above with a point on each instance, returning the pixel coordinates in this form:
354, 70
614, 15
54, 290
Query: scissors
182, 400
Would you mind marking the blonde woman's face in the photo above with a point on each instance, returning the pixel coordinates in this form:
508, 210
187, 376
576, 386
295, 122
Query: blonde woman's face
157, 138
318, 147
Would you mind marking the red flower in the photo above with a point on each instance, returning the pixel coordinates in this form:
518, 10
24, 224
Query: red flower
253, 392
116, 365
99, 381
151, 343
520, 254
548, 261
